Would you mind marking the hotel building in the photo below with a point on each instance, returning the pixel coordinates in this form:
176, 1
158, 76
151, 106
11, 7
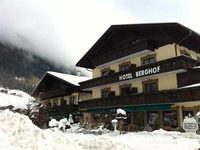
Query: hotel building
59, 94
149, 70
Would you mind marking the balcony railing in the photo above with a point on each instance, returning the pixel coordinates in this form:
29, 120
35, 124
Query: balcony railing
52, 94
172, 64
159, 97
63, 109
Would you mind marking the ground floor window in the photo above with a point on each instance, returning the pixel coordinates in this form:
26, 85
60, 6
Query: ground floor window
170, 119
153, 119
138, 120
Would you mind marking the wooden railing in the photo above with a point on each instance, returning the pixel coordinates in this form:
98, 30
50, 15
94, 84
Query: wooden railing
63, 109
172, 64
159, 97
52, 94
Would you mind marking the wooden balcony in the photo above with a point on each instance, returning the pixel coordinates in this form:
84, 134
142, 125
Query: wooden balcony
159, 97
63, 109
52, 94
123, 52
172, 64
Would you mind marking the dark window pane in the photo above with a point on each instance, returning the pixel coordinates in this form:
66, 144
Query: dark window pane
150, 87
105, 73
124, 67
149, 60
105, 93
125, 91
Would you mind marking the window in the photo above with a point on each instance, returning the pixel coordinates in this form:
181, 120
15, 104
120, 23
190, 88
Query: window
170, 119
105, 92
55, 102
148, 59
105, 72
63, 101
125, 90
124, 66
72, 99
150, 86
153, 119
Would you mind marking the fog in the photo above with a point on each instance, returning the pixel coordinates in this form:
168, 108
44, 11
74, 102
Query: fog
60, 31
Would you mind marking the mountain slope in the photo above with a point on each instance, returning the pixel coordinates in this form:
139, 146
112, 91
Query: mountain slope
22, 70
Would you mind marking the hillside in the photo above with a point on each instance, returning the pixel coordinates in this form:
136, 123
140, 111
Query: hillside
22, 70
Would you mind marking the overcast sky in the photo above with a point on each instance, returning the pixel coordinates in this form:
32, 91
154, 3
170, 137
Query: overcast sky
62, 31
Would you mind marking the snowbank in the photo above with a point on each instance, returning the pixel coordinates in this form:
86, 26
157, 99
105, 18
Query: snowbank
18, 132
16, 98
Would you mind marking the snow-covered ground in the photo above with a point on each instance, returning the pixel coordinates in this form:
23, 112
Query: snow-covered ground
16, 98
18, 132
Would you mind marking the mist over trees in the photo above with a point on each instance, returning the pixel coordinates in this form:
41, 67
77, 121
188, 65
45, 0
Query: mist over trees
20, 69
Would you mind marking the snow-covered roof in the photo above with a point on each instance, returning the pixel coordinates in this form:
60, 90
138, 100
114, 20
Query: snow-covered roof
69, 78
196, 67
190, 86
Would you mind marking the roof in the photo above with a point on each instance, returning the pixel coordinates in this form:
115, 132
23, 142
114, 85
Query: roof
69, 78
190, 86
71, 81
118, 37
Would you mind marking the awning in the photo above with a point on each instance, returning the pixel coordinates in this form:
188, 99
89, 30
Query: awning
131, 108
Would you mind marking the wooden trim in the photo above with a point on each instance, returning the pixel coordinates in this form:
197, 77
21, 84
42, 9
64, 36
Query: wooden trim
147, 57
167, 65
149, 81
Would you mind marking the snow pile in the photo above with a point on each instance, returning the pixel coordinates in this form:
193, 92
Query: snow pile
16, 98
53, 123
18, 132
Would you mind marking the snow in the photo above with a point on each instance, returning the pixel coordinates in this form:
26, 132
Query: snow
196, 67
190, 86
18, 132
69, 78
16, 98
121, 111
53, 123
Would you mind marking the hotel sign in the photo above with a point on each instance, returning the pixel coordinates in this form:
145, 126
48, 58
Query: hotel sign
127, 76
140, 73
148, 71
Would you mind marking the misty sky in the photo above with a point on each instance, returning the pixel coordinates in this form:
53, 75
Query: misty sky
62, 31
